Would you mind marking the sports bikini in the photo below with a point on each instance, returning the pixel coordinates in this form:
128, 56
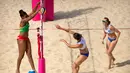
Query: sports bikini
23, 30
109, 31
83, 42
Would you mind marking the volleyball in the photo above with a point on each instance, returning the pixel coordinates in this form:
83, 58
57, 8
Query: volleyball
43, 10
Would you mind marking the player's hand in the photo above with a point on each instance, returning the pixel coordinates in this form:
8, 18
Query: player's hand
58, 27
102, 41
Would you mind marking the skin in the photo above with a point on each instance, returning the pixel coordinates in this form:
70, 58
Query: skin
81, 58
110, 45
24, 46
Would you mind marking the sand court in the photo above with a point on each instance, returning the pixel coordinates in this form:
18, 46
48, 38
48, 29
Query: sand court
80, 16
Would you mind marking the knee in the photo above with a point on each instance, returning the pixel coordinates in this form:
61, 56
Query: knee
20, 57
29, 55
109, 53
74, 66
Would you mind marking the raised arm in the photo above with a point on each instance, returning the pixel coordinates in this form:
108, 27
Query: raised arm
31, 16
64, 29
34, 9
71, 46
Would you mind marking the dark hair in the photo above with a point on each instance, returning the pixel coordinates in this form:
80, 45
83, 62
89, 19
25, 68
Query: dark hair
22, 13
107, 19
77, 36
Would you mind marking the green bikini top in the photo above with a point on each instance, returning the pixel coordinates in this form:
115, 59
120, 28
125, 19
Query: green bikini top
24, 28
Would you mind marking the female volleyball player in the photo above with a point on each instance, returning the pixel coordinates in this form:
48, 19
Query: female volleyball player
81, 43
23, 41
110, 30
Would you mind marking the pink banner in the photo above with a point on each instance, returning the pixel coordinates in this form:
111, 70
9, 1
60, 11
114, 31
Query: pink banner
34, 3
49, 9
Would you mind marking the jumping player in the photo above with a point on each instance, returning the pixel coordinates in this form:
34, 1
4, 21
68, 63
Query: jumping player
81, 43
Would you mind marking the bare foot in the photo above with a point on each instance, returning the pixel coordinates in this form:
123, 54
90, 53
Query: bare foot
109, 67
113, 61
17, 71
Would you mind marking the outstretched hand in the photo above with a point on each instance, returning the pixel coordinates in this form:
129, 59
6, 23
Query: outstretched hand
102, 41
58, 27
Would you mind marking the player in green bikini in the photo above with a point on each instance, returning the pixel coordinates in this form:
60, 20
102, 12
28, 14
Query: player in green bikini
23, 41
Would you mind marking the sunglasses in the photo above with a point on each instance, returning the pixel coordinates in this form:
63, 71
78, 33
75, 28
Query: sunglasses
104, 21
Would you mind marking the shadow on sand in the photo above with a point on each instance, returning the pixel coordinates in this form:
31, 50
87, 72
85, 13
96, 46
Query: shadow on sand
127, 62
74, 13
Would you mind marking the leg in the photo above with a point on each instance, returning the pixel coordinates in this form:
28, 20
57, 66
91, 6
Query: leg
80, 59
22, 48
111, 57
110, 61
29, 55
107, 48
107, 45
75, 68
78, 66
